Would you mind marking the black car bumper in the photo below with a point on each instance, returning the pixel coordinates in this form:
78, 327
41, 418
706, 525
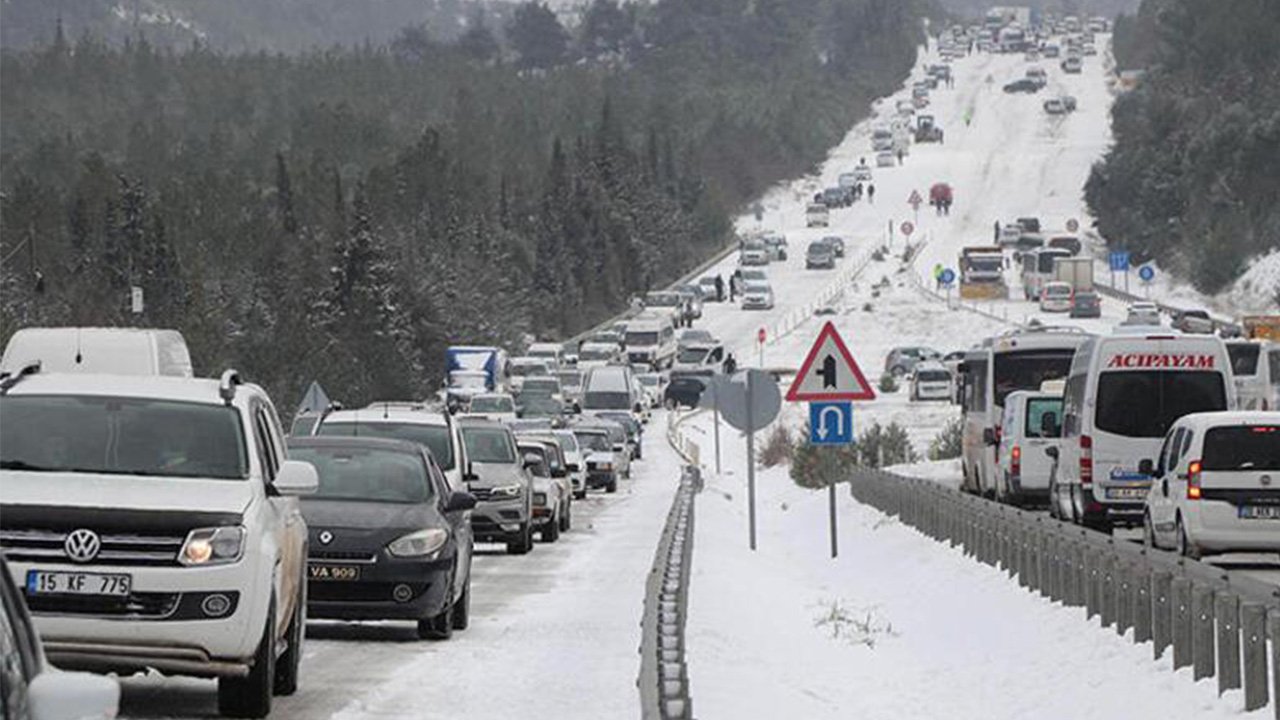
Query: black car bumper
601, 478
500, 521
399, 589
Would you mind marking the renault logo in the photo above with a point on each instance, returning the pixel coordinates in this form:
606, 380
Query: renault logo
326, 537
82, 545
1265, 479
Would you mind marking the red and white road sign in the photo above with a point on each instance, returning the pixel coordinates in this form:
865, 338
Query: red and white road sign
915, 200
830, 372
761, 336
1073, 225
908, 227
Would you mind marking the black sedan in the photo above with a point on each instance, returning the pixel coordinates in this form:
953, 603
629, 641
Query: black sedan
1086, 304
1024, 85
388, 538
684, 391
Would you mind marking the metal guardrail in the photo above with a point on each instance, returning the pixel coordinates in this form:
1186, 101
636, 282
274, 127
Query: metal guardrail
664, 671
1216, 622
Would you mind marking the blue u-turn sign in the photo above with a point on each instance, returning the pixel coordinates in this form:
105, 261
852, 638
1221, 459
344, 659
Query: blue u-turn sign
830, 423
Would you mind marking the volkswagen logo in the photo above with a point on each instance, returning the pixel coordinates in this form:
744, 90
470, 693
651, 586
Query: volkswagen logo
1265, 479
326, 537
82, 545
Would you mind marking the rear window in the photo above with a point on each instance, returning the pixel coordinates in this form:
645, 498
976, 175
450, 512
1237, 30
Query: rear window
1244, 358
1026, 370
1146, 404
488, 445
1037, 411
934, 376
1252, 447
363, 474
435, 437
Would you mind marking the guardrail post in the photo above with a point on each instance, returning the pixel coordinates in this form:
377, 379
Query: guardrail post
1273, 629
1161, 613
1092, 583
1253, 625
1228, 612
1107, 571
1202, 630
1141, 606
1124, 597
1070, 575
1181, 614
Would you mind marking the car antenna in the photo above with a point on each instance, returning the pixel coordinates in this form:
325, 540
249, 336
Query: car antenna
79, 347
385, 407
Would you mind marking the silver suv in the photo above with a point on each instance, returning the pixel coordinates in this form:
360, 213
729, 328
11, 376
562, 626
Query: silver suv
496, 475
154, 523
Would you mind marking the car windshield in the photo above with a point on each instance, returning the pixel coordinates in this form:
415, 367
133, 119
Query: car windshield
986, 263
571, 378
1028, 369
1045, 261
648, 380
642, 339
693, 356
1144, 404
591, 354
488, 445
757, 287
933, 376
1245, 447
593, 440
540, 385
568, 441
366, 474
435, 437
819, 248
1059, 291
607, 401
662, 299
493, 404
1244, 358
1037, 410
122, 436
542, 406
528, 369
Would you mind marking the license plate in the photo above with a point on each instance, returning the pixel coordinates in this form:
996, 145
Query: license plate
1127, 493
41, 582
334, 572
1260, 512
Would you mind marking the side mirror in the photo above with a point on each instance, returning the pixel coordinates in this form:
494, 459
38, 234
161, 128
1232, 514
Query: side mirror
620, 447
988, 436
296, 478
532, 460
1146, 467
469, 475
459, 500
1051, 452
54, 695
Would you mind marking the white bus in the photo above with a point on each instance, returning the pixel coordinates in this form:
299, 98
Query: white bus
1016, 360
1038, 269
1122, 395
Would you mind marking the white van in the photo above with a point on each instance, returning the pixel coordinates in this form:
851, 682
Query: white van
1123, 394
1255, 365
817, 215
1037, 269
611, 389
522, 367
553, 353
1032, 424
651, 339
1212, 485
1016, 360
103, 351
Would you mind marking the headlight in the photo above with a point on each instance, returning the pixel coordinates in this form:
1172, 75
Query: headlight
419, 544
506, 491
212, 546
540, 498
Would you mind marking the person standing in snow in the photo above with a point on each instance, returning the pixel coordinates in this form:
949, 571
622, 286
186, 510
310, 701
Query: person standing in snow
719, 289
996, 238
899, 156
937, 276
871, 193
730, 364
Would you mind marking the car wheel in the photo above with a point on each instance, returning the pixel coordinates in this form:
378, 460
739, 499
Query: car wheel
1186, 548
524, 544
551, 529
580, 494
462, 609
612, 486
439, 626
286, 681
898, 371
250, 696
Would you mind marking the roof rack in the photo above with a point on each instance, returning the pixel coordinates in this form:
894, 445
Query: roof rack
8, 380
227, 385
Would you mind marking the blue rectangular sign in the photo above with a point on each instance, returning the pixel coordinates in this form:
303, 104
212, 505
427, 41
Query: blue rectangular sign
1119, 261
831, 423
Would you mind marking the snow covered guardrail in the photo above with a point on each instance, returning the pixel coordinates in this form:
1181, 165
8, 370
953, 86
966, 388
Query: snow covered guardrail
1216, 622
664, 674
829, 294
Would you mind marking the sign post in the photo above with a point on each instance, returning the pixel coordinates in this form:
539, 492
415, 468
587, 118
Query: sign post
749, 401
1146, 274
135, 300
914, 201
1118, 261
947, 278
891, 234
830, 379
761, 336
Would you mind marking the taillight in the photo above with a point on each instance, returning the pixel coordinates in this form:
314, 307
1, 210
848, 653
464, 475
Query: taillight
1086, 460
1193, 480
1015, 462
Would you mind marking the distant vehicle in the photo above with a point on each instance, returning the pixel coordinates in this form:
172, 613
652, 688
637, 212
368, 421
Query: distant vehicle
552, 352
1023, 85
902, 360
1070, 243
495, 406
1069, 102
540, 387
1086, 304
654, 385
1123, 394
927, 130
650, 339
1072, 65
523, 367
496, 476
34, 689
836, 197
1010, 233
1211, 491
863, 173
671, 302
575, 462
1055, 296
699, 359
1016, 360
757, 295
691, 297
886, 159
881, 139
847, 180
611, 388
940, 197
708, 285
390, 502
777, 244
1075, 271
99, 351
1054, 106
594, 354
1143, 313
684, 391
1255, 365
1028, 224
1051, 52
836, 243
1193, 321
606, 460
982, 273
930, 380
905, 108
1031, 424
633, 429
754, 251
815, 215
1038, 75
552, 493
1089, 49
819, 256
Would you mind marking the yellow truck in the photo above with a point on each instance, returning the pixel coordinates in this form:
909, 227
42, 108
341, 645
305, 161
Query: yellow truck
982, 273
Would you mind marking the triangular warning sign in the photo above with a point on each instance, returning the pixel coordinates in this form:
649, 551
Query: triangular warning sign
915, 198
829, 372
